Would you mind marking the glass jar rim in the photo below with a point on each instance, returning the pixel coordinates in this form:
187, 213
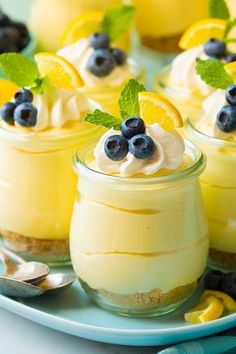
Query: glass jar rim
191, 128
195, 169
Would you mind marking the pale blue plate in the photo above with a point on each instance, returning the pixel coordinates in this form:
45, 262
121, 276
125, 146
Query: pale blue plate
74, 313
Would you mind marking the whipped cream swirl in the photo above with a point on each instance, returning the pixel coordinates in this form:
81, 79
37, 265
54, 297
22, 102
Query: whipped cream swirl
208, 123
57, 107
183, 74
168, 154
78, 54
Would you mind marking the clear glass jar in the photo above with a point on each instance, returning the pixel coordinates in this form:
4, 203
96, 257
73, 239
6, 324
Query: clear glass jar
139, 245
219, 191
37, 191
184, 101
108, 97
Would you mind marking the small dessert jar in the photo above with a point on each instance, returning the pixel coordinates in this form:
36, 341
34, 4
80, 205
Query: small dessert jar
37, 191
139, 245
185, 101
219, 192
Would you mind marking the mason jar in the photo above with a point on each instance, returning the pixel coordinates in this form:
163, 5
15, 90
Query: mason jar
139, 245
219, 191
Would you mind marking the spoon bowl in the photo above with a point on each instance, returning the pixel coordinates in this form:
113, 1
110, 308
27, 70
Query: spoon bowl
16, 288
57, 282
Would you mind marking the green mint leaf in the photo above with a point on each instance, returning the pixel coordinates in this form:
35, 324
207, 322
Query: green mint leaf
117, 21
23, 71
230, 25
218, 9
101, 118
213, 73
129, 104
41, 85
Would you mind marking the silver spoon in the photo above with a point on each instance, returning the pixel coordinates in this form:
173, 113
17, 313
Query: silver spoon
57, 282
29, 272
16, 288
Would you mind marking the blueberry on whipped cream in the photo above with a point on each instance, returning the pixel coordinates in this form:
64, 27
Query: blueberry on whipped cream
20, 110
104, 58
226, 117
215, 48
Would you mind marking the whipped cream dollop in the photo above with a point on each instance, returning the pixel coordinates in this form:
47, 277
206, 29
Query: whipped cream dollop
168, 154
183, 74
208, 121
78, 54
57, 107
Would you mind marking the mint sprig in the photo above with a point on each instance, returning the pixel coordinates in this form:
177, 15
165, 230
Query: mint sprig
128, 102
218, 9
213, 73
101, 118
117, 21
23, 71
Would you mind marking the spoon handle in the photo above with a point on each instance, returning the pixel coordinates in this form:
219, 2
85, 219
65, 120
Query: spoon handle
6, 256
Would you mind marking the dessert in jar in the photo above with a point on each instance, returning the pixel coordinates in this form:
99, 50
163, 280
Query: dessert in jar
104, 67
160, 24
139, 238
180, 81
49, 18
40, 130
213, 128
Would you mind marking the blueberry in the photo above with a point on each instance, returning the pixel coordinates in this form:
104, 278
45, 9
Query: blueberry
141, 146
7, 112
21, 27
215, 48
213, 280
99, 40
26, 114
101, 62
229, 283
119, 55
230, 58
23, 95
9, 37
226, 118
4, 20
132, 126
230, 95
116, 147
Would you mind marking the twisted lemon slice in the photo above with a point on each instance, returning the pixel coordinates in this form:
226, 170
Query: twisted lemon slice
228, 302
156, 109
201, 31
59, 70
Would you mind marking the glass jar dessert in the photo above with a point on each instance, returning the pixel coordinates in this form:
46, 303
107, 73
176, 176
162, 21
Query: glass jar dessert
103, 66
39, 134
139, 238
181, 81
213, 130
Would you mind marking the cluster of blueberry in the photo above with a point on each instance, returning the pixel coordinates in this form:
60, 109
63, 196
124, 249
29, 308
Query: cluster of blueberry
21, 110
104, 59
133, 140
14, 36
216, 49
226, 118
217, 280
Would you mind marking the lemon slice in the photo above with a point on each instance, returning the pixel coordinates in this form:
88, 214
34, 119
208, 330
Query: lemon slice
228, 302
59, 70
82, 26
8, 90
231, 70
201, 31
156, 109
211, 308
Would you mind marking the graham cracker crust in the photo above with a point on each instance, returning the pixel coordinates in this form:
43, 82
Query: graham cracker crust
19, 243
165, 44
148, 300
225, 258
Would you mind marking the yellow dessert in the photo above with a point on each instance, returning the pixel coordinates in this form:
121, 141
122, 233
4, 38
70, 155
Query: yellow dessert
88, 56
180, 82
139, 234
37, 185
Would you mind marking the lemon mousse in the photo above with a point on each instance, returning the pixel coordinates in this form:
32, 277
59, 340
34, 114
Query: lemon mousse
139, 234
180, 81
40, 130
103, 67
214, 129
